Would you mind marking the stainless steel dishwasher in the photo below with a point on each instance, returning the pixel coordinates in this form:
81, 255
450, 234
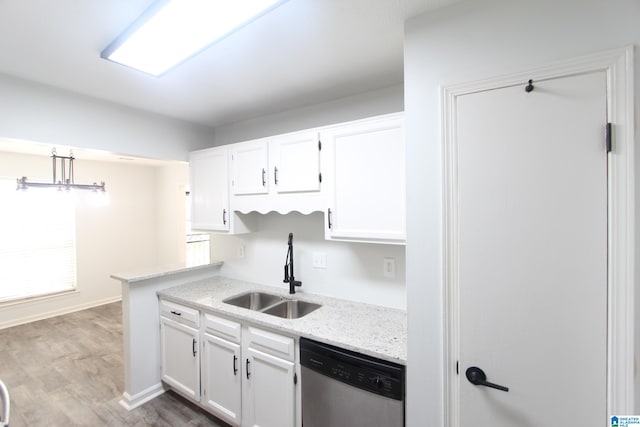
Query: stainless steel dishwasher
344, 388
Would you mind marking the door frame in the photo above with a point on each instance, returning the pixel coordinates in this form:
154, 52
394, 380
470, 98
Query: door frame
618, 66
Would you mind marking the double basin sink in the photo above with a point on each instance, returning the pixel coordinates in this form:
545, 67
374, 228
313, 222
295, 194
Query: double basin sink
274, 305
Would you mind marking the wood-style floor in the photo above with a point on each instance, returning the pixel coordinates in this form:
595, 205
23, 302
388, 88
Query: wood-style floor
67, 371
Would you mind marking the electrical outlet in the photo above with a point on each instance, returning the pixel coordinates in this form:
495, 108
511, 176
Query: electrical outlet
319, 260
241, 251
389, 267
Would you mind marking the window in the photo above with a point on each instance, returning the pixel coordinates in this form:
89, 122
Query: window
38, 244
198, 244
198, 249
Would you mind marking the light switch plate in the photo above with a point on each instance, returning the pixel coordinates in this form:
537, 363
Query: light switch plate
319, 260
389, 266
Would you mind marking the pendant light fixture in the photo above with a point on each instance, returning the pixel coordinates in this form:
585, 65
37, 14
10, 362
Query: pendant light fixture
66, 181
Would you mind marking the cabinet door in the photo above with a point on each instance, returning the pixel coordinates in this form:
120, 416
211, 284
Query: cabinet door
366, 163
270, 390
296, 162
180, 357
222, 378
209, 189
250, 168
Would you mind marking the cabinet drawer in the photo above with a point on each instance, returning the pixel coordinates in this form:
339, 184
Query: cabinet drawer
268, 342
222, 328
180, 313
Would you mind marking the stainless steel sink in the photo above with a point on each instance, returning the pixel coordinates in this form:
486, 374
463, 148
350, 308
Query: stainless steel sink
292, 309
253, 300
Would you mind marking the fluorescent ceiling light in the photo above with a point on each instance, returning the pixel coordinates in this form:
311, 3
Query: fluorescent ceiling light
171, 31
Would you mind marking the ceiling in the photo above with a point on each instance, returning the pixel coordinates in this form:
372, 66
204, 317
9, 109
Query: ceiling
302, 53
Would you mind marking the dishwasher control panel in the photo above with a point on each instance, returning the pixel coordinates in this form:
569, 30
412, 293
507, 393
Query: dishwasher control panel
362, 371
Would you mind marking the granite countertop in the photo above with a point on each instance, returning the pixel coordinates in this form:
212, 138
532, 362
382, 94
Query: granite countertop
368, 329
159, 271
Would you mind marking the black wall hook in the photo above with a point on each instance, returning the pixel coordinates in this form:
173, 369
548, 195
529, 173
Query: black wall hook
529, 87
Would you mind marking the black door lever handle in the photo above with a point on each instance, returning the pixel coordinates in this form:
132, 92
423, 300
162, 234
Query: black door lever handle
476, 376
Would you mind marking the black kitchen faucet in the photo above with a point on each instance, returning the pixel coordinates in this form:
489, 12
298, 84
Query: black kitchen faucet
288, 268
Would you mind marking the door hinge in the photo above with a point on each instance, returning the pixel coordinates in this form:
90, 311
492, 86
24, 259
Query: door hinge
320, 177
295, 378
608, 137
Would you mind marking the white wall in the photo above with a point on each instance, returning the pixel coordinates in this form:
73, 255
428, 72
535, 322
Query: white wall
469, 41
173, 180
35, 112
354, 270
122, 236
374, 103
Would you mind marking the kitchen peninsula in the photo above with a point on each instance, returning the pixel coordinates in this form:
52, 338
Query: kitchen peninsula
369, 329
140, 330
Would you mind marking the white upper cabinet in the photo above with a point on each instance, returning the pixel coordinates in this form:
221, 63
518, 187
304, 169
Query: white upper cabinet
210, 208
353, 172
250, 170
365, 178
280, 173
296, 162
209, 189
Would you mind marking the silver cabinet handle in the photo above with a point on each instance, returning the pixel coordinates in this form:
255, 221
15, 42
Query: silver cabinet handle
264, 180
224, 217
193, 347
247, 369
329, 218
235, 367
275, 175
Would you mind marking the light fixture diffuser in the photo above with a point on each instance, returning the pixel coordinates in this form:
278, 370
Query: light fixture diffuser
170, 31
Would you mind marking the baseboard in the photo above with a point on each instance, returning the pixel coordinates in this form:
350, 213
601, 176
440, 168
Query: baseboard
131, 402
58, 312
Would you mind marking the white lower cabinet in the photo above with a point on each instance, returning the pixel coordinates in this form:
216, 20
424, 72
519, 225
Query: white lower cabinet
270, 397
221, 368
221, 378
270, 379
180, 355
247, 376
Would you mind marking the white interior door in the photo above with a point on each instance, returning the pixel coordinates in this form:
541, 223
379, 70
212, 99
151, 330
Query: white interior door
532, 253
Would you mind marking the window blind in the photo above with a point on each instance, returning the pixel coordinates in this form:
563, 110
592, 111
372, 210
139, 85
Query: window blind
37, 243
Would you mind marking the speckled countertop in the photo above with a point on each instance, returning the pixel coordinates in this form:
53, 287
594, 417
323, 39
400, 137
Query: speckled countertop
132, 277
369, 329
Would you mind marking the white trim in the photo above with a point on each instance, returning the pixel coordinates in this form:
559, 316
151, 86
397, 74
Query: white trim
58, 312
618, 65
132, 402
27, 300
